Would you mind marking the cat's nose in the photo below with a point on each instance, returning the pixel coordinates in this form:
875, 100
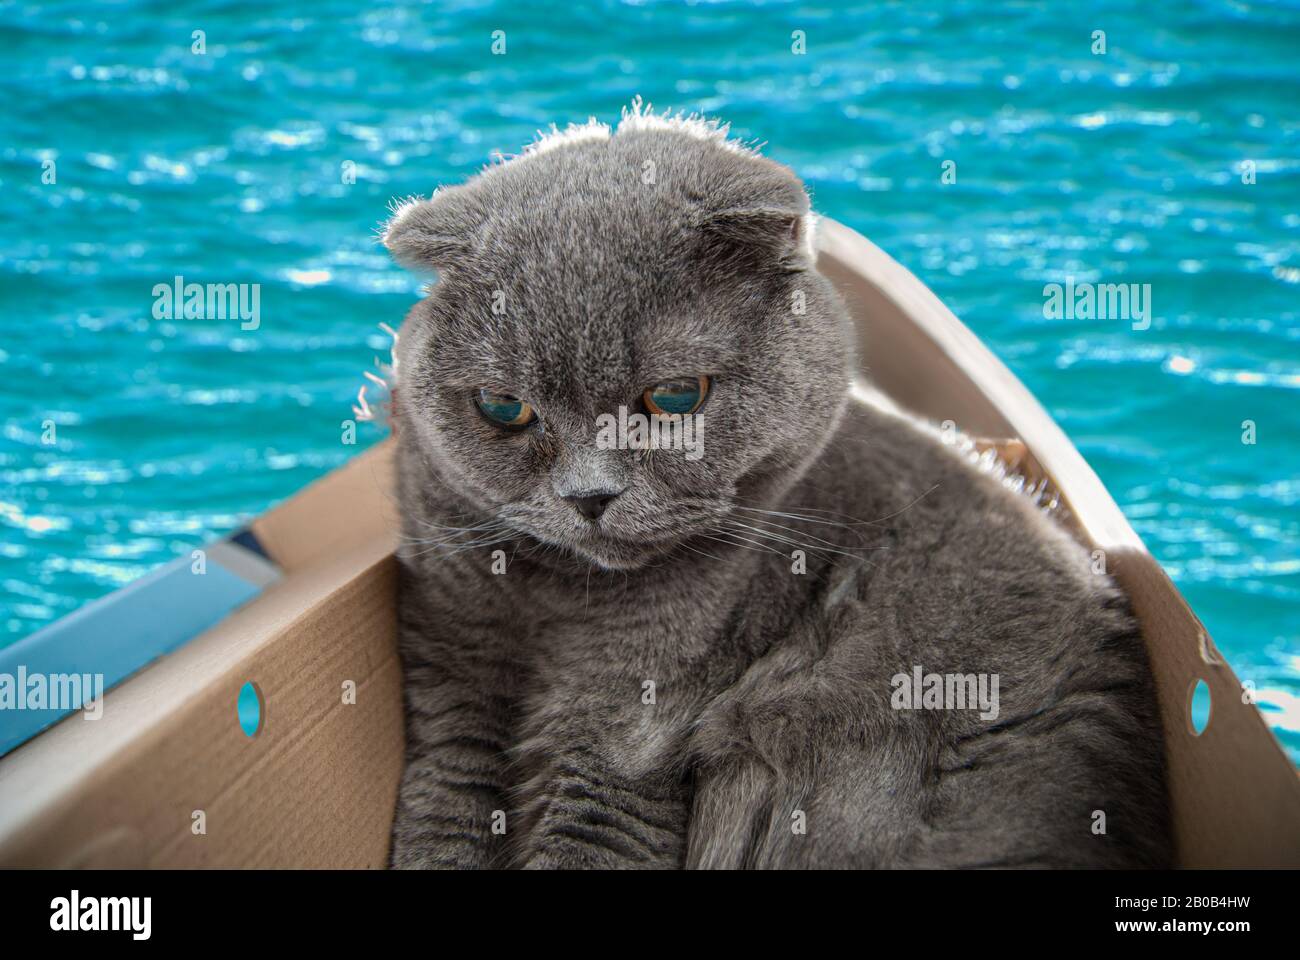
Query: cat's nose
591, 505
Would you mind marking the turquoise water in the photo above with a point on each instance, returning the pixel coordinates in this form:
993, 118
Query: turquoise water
227, 167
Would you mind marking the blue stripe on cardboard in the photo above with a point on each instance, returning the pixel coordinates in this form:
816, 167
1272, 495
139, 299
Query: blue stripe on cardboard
117, 635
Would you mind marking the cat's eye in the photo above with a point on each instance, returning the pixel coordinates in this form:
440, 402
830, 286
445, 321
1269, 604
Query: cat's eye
675, 398
504, 410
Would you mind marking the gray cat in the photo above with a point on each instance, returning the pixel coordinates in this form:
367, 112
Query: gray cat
618, 654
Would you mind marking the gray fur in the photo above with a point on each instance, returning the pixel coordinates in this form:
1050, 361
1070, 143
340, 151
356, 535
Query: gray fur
772, 689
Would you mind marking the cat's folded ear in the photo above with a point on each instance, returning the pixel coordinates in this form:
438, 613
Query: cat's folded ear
764, 215
430, 234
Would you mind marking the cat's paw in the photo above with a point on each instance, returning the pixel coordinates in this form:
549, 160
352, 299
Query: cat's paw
415, 847
414, 856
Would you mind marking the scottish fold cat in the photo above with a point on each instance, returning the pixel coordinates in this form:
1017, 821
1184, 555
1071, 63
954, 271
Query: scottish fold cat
825, 641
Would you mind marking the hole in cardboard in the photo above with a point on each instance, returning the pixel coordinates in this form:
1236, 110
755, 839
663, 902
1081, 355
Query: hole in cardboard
1198, 706
249, 708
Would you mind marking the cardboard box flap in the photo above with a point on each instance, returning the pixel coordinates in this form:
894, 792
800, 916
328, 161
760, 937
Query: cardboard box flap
317, 783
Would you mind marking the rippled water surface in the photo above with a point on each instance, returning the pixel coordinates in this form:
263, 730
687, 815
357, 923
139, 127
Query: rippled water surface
228, 167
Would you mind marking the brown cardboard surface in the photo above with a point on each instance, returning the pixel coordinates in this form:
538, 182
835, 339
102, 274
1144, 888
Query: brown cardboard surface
1236, 794
316, 786
351, 506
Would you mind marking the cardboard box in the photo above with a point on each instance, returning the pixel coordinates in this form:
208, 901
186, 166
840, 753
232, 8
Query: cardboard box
316, 786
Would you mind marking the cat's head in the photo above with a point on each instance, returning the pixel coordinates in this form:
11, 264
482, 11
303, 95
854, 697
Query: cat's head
658, 267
